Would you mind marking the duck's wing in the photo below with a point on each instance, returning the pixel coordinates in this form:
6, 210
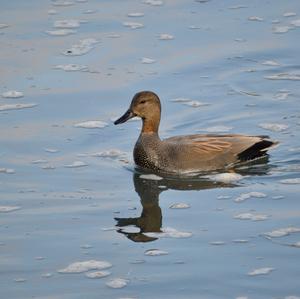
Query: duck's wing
241, 146
202, 144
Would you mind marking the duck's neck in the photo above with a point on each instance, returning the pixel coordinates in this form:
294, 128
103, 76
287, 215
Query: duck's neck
151, 125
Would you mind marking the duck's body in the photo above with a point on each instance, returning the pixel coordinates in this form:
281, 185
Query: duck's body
190, 153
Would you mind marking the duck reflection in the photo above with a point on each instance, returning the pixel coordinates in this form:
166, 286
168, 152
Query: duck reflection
149, 191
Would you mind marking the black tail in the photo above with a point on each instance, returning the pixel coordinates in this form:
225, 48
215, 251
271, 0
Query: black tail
257, 150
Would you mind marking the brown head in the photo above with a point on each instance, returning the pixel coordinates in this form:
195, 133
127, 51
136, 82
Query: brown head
146, 105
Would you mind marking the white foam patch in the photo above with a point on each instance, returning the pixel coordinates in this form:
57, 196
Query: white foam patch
13, 94
284, 76
276, 197
39, 161
270, 63
195, 104
97, 274
289, 14
52, 12
21, 279
51, 150
7, 170
261, 271
112, 153
135, 14
7, 209
165, 36
62, 3
66, 24
153, 177
297, 244
133, 25
226, 177
76, 164
48, 167
295, 23
72, 67
61, 32
274, 127
2, 25
153, 2
92, 124
83, 47
282, 232
169, 232
281, 29
290, 181
189, 102
117, 283
79, 267
282, 95
146, 60
253, 194
90, 11
179, 206
5, 107
251, 216
255, 18
155, 252
194, 27
217, 129
217, 243
223, 197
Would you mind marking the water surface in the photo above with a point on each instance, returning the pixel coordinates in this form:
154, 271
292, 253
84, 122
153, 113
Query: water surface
71, 194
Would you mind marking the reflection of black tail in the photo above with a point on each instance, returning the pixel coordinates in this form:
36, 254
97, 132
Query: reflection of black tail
257, 150
137, 237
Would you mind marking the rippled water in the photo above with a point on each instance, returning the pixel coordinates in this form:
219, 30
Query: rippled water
69, 189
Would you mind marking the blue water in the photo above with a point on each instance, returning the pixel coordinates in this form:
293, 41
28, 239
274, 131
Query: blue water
68, 215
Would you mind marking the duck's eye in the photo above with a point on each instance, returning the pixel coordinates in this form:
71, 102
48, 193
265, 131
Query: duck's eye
142, 102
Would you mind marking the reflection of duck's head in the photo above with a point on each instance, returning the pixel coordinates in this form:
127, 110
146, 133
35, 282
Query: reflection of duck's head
146, 105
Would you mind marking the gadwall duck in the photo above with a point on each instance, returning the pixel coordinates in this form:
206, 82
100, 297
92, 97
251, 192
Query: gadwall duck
190, 153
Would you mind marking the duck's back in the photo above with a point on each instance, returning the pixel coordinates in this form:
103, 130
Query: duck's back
198, 152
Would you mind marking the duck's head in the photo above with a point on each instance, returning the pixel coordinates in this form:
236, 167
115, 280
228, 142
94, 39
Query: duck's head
146, 105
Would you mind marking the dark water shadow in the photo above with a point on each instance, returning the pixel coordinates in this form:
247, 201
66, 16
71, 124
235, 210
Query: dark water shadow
149, 191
